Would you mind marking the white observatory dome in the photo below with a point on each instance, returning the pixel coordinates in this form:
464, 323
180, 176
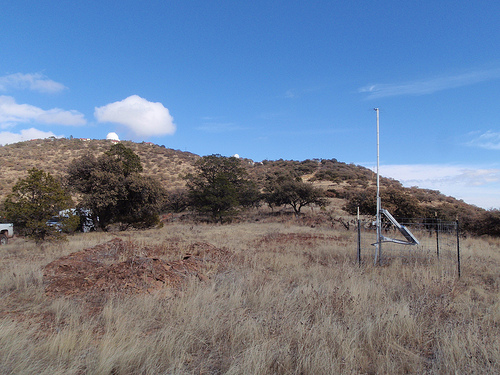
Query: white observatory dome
112, 137
236, 156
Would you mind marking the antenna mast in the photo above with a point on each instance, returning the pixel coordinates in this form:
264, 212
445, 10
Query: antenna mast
378, 250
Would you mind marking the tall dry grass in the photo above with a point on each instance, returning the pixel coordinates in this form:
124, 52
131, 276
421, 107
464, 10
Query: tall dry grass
293, 301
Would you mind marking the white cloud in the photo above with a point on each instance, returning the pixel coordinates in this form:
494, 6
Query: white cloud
441, 175
12, 113
35, 82
475, 185
25, 135
431, 85
139, 115
489, 140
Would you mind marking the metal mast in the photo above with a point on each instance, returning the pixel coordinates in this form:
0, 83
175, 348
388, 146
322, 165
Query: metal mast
378, 253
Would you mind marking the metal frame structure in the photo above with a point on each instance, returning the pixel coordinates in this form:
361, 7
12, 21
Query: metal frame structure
411, 239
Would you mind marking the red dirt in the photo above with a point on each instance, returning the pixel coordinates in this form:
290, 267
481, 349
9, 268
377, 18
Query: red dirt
119, 267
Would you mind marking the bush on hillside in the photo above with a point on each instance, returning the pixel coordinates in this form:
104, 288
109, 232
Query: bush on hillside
34, 200
113, 188
283, 189
219, 187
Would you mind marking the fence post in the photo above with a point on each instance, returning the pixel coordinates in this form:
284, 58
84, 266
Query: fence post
359, 241
458, 249
437, 238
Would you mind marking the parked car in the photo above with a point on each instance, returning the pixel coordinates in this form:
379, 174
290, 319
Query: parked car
6, 232
60, 222
55, 222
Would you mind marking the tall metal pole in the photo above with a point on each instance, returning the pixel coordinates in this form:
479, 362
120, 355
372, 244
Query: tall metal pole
378, 254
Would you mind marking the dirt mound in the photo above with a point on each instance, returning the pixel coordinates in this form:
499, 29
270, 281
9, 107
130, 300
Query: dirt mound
119, 267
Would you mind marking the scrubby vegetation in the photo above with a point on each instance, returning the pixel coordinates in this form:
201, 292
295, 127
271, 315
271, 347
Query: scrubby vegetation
33, 201
114, 190
286, 298
286, 190
347, 185
54, 155
219, 186
275, 290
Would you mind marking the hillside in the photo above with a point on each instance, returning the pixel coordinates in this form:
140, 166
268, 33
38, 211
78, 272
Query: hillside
54, 156
339, 179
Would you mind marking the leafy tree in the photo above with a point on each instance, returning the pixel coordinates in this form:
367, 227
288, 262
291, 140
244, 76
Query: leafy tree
114, 190
365, 199
176, 200
143, 201
33, 201
398, 201
284, 189
489, 223
125, 157
219, 187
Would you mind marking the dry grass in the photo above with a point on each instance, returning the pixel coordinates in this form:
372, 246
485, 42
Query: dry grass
291, 302
54, 156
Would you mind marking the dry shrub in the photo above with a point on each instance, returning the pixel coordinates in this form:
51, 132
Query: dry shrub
291, 301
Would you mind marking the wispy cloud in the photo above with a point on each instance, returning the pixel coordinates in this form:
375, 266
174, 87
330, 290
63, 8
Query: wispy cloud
477, 185
24, 135
489, 140
441, 175
32, 81
430, 85
12, 113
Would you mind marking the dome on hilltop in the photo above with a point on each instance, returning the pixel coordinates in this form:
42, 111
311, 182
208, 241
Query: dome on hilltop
112, 137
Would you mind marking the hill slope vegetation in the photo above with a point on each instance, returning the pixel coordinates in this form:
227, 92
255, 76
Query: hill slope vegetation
351, 184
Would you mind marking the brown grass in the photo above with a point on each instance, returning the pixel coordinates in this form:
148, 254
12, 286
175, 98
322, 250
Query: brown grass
291, 301
54, 156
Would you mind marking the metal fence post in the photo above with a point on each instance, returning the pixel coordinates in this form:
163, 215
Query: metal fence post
458, 249
437, 238
359, 241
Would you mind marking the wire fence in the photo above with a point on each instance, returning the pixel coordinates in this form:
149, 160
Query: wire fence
437, 240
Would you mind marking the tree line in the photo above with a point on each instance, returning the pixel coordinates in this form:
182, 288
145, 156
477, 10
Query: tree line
112, 190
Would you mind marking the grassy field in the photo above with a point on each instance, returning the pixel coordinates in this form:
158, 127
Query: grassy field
289, 300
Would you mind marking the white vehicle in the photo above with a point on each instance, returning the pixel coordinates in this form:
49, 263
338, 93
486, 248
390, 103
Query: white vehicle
6, 232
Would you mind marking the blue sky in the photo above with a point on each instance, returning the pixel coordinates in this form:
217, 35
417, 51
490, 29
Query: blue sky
267, 80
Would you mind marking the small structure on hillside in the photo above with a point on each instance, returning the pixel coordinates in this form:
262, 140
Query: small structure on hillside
113, 137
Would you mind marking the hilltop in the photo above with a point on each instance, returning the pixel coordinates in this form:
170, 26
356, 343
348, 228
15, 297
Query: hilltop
54, 155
